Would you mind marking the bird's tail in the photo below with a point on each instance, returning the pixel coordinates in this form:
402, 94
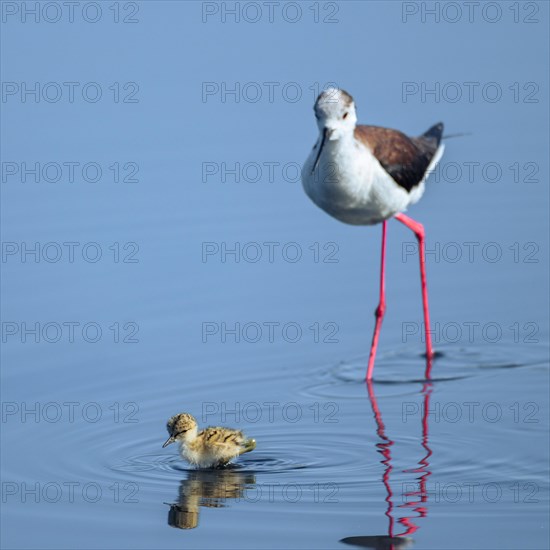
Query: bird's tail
434, 134
248, 445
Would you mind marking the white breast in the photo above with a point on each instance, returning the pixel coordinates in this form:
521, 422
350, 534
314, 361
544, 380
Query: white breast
351, 185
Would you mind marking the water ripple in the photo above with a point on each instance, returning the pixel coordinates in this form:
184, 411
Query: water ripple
402, 368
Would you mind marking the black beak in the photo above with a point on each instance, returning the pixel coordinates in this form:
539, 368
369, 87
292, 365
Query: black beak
168, 441
323, 139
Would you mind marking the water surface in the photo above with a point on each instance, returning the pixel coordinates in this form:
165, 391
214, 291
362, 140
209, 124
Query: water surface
243, 304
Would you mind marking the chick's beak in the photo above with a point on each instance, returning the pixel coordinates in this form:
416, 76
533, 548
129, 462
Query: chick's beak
168, 441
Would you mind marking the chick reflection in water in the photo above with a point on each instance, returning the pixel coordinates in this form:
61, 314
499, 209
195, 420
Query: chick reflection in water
213, 447
208, 488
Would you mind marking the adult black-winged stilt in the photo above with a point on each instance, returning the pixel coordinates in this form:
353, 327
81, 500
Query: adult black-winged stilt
363, 175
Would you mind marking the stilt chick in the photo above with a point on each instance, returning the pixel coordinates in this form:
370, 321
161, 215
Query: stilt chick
213, 447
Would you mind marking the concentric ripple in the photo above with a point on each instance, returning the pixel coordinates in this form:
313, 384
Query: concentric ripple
280, 453
346, 379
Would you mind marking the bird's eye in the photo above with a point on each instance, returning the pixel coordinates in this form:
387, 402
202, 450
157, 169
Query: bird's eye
345, 115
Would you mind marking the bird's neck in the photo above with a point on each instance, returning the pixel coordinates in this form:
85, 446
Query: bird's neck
341, 136
342, 141
189, 437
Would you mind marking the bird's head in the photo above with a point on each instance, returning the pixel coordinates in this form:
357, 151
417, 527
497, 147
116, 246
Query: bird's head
336, 117
335, 113
181, 427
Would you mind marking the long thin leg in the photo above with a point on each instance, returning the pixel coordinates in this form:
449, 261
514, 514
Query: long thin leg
418, 230
381, 305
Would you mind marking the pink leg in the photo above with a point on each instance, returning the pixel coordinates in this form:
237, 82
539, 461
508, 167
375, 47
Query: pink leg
418, 230
381, 306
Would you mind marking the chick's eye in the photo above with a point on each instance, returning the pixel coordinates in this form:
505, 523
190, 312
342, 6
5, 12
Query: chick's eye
345, 115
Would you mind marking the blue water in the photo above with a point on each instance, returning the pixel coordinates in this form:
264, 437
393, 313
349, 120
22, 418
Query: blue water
194, 275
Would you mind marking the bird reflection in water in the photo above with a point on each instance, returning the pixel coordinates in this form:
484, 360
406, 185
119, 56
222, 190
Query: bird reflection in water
414, 501
208, 488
